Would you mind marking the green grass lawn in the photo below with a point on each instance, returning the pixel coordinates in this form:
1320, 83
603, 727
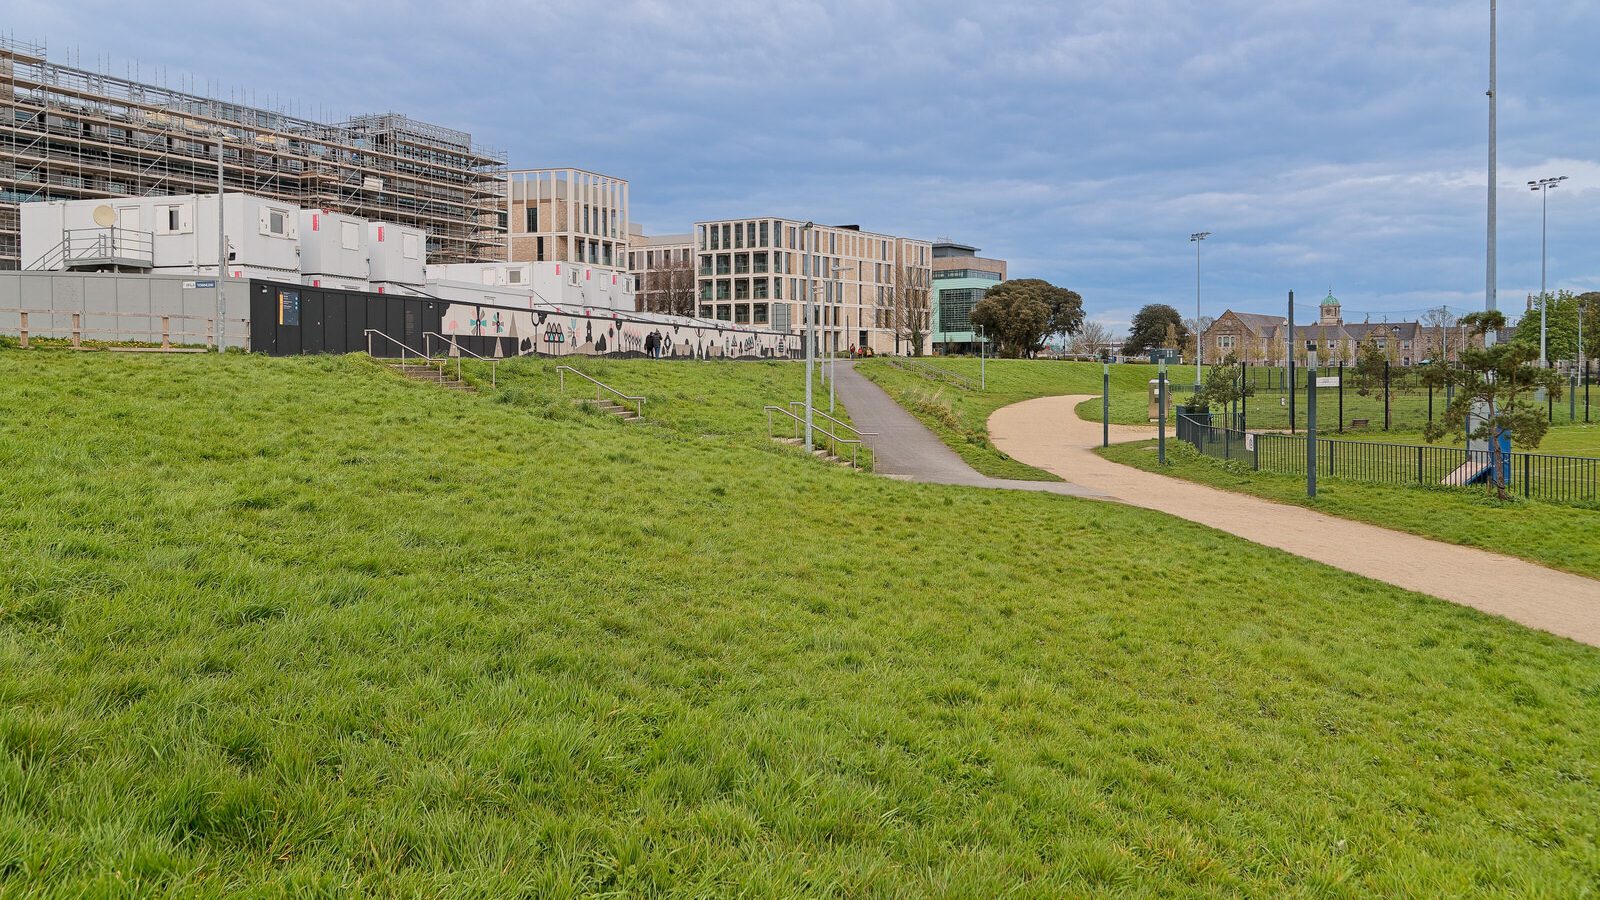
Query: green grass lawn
960, 416
1557, 535
275, 626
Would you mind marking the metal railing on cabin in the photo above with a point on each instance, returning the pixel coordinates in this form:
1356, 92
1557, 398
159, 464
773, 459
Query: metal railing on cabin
835, 443
27, 329
1536, 476
494, 364
561, 375
95, 245
817, 412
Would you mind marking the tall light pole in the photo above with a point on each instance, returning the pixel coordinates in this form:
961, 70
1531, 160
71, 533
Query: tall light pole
1195, 239
1490, 301
811, 322
1544, 186
221, 327
833, 358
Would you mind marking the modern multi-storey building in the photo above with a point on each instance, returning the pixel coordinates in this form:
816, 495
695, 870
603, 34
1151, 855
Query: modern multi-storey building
752, 271
960, 279
566, 215
68, 133
662, 265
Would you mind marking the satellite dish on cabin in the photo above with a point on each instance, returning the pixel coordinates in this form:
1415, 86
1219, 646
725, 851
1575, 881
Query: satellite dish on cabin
105, 216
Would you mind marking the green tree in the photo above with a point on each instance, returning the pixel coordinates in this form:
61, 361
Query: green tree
1370, 364
1225, 383
1497, 381
1561, 326
1150, 328
1589, 307
1015, 320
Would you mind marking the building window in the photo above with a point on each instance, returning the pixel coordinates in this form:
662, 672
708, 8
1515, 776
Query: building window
955, 308
727, 237
741, 264
1224, 342
759, 262
538, 248
705, 312
705, 290
716, 238
777, 288
705, 264
741, 314
701, 230
531, 218
724, 290
738, 236
724, 263
760, 287
758, 314
741, 289
724, 312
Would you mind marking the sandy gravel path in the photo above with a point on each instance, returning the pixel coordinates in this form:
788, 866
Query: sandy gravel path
1047, 433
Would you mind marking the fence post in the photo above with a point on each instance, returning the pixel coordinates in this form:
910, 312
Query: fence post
1386, 415
211, 334
1340, 429
1419, 465
1572, 398
23, 335
1527, 471
166, 342
1255, 462
77, 330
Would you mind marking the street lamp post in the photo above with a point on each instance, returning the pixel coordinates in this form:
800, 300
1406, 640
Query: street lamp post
811, 322
1544, 186
1490, 301
983, 375
221, 326
1195, 239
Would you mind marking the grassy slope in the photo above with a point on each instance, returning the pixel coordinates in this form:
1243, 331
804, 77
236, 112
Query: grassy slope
1555, 535
960, 417
285, 624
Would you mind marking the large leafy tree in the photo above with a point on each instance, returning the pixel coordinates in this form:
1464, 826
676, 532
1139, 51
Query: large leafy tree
1020, 315
1561, 326
1151, 327
1497, 383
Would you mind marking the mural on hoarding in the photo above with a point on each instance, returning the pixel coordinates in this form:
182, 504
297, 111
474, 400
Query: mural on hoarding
560, 331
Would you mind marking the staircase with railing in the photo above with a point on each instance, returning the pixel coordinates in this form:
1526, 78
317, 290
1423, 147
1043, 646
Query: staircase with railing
90, 249
416, 364
827, 444
606, 397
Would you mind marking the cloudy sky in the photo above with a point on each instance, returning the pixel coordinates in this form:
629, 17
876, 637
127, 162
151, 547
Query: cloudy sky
1325, 143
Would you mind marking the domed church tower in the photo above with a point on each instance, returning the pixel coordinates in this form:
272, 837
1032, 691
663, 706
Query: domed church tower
1330, 310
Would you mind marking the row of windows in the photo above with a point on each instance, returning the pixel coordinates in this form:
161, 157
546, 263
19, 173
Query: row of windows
768, 233
652, 259
968, 273
780, 315
782, 263
594, 220
1226, 342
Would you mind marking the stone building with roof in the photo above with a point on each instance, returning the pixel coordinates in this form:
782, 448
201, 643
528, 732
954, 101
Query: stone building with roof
1263, 340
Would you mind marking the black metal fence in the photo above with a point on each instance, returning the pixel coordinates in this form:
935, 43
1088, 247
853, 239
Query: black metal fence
1395, 399
1536, 476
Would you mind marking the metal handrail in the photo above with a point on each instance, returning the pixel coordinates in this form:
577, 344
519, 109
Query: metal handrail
404, 347
561, 375
818, 412
932, 372
855, 444
494, 364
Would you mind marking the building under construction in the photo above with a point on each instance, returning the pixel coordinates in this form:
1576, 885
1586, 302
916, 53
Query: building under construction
68, 133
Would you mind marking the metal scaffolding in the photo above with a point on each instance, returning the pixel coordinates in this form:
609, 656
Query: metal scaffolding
68, 133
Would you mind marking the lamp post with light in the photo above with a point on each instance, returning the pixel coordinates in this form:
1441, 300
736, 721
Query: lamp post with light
1544, 186
1195, 239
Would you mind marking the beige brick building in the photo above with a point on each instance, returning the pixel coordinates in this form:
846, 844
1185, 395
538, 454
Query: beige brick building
1259, 339
752, 271
566, 215
662, 265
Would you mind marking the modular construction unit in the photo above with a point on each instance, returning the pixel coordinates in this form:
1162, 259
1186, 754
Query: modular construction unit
69, 133
291, 319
